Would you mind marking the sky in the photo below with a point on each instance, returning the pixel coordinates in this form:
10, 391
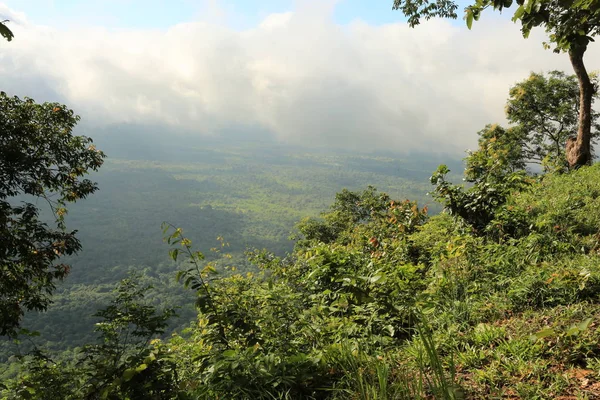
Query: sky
340, 73
148, 14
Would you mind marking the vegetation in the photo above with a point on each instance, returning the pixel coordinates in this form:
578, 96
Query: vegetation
543, 110
120, 366
39, 157
495, 297
251, 196
378, 300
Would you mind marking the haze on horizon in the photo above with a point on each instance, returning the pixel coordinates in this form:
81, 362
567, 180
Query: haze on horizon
309, 72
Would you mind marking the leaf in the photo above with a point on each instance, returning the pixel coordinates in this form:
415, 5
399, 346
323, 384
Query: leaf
583, 326
529, 5
544, 333
141, 367
180, 274
229, 353
390, 330
377, 278
209, 269
129, 373
469, 18
174, 253
5, 32
518, 13
150, 358
573, 331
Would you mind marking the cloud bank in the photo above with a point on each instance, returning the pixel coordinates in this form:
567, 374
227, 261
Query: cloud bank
297, 75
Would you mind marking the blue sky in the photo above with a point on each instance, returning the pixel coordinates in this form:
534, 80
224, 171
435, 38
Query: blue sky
160, 14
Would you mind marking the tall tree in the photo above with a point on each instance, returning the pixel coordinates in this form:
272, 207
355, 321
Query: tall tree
571, 26
40, 158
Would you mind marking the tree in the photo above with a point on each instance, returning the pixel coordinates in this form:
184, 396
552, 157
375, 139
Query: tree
495, 170
545, 109
126, 363
571, 25
500, 153
40, 158
349, 209
544, 112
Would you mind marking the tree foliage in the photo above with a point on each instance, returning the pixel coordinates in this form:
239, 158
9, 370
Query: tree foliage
545, 108
124, 364
570, 25
495, 170
40, 159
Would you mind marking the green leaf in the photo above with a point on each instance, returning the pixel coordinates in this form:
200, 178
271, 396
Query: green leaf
469, 18
573, 331
174, 253
544, 333
129, 373
518, 13
209, 269
583, 326
141, 367
229, 353
377, 278
150, 358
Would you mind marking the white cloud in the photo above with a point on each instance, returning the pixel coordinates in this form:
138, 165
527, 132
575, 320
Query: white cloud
277, 20
298, 75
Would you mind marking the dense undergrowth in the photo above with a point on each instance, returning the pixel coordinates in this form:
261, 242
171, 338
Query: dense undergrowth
496, 298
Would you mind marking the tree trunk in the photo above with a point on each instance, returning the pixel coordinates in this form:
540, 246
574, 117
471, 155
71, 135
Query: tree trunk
578, 149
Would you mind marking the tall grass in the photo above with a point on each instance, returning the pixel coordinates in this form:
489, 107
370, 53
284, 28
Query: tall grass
365, 376
433, 374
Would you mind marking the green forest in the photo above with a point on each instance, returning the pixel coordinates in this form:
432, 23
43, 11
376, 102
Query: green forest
251, 196
138, 266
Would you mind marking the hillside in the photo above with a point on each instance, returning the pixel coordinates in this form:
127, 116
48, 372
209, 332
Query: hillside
223, 200
250, 193
381, 301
